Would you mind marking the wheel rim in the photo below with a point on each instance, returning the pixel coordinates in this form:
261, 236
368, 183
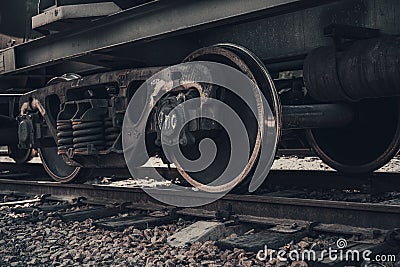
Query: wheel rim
56, 167
365, 145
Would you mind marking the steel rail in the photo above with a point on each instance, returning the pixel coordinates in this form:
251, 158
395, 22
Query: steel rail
313, 179
337, 212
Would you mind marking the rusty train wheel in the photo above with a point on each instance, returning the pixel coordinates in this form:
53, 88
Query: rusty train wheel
59, 170
244, 61
365, 145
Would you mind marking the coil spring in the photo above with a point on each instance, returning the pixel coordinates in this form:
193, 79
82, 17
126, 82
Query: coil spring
88, 133
64, 135
111, 133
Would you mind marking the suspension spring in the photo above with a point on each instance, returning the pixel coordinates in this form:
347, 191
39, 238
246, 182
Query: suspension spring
111, 133
88, 133
64, 135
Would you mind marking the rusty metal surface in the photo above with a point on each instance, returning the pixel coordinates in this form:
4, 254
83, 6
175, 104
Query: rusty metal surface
355, 214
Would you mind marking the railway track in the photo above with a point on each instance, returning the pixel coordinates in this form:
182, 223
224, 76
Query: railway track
271, 217
379, 215
284, 195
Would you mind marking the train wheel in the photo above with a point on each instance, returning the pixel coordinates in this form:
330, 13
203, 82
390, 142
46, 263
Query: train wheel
20, 155
60, 171
365, 145
244, 61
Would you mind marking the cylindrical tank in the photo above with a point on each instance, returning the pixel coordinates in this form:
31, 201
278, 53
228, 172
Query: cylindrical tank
366, 69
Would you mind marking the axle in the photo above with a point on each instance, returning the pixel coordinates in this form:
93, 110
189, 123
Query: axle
316, 116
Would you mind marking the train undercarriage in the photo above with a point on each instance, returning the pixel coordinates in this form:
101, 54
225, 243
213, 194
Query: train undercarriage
330, 73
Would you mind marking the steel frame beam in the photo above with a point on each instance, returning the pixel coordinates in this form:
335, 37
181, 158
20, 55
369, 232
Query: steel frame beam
154, 20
